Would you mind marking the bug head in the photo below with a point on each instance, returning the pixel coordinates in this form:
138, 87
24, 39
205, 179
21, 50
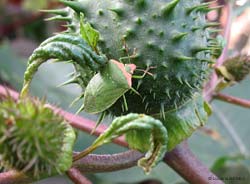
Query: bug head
130, 68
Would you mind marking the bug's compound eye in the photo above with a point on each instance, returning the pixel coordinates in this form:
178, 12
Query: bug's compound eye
130, 68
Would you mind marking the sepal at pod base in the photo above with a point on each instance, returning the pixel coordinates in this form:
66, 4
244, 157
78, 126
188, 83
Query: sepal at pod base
33, 139
183, 122
235, 69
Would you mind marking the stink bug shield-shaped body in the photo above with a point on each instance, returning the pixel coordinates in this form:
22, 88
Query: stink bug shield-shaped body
107, 86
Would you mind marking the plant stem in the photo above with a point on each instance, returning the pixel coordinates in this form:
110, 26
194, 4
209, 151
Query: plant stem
232, 100
13, 177
87, 125
91, 163
75, 121
184, 162
105, 163
84, 153
180, 159
211, 85
76, 176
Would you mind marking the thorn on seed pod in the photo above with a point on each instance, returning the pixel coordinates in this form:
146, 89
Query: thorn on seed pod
169, 7
76, 6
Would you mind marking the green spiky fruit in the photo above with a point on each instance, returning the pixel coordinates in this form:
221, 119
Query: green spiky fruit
167, 40
171, 36
33, 139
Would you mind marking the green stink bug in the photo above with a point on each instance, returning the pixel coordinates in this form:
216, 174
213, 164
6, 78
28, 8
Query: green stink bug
107, 86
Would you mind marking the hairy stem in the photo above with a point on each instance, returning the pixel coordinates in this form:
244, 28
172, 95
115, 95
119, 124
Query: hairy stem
105, 163
184, 162
90, 164
232, 100
84, 153
76, 176
180, 159
13, 177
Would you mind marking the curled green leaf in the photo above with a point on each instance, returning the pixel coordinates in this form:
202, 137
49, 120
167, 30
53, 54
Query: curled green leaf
62, 47
143, 133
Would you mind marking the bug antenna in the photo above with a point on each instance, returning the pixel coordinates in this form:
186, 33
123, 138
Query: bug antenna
125, 103
136, 92
145, 72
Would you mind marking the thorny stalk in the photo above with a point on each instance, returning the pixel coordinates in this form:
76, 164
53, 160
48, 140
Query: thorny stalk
214, 80
232, 100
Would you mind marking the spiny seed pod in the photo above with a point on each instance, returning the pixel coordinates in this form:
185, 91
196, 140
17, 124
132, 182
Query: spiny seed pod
33, 139
170, 35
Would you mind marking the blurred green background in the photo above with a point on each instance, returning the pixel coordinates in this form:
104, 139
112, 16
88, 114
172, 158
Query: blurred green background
223, 144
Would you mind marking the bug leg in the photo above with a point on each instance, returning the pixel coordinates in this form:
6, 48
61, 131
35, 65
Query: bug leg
134, 55
125, 103
126, 49
144, 72
100, 119
136, 92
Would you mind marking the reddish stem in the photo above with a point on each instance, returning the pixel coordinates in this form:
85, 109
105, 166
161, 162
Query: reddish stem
91, 163
211, 85
232, 100
76, 176
184, 162
13, 177
226, 34
75, 121
87, 125
180, 159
